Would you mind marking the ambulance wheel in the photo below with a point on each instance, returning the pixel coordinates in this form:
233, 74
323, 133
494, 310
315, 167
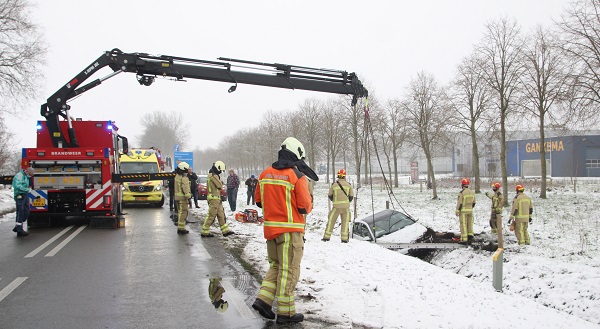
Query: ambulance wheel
161, 203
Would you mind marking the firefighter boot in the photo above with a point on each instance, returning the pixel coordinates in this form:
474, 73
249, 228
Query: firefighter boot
298, 317
20, 231
182, 231
264, 309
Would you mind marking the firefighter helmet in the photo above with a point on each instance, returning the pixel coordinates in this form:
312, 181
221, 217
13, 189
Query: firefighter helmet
465, 182
293, 145
341, 173
496, 185
221, 306
519, 188
183, 166
220, 166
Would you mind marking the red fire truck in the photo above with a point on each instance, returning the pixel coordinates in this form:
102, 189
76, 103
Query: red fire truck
77, 162
76, 181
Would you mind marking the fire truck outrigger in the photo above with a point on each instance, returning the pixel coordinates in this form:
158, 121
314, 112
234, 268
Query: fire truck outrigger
87, 172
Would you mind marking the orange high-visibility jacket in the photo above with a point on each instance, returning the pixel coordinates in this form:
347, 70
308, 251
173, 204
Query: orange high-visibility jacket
284, 197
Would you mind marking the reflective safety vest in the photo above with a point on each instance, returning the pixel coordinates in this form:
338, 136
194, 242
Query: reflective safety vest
466, 200
284, 197
182, 188
522, 207
214, 186
340, 198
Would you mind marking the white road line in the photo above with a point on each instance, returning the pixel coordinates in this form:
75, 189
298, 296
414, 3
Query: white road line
40, 248
12, 286
236, 299
65, 241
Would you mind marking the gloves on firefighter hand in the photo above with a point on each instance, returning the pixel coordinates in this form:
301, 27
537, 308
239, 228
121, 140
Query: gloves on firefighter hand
487, 194
530, 219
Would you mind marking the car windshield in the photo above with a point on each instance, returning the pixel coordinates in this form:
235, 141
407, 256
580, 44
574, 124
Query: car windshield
388, 221
202, 180
138, 167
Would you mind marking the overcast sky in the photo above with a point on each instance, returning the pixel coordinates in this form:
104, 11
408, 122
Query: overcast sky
385, 42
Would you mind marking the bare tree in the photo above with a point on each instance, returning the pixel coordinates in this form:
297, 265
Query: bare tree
309, 118
6, 148
500, 52
397, 131
428, 117
163, 130
471, 98
334, 134
355, 118
580, 26
22, 54
544, 86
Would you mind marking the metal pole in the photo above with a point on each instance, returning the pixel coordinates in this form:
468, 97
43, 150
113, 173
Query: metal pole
498, 259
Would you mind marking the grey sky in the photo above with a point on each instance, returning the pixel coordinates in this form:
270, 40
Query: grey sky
385, 42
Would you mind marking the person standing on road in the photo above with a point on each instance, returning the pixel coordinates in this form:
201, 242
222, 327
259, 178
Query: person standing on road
182, 195
464, 211
522, 209
21, 185
341, 193
497, 202
233, 183
193, 185
251, 184
215, 205
172, 203
283, 195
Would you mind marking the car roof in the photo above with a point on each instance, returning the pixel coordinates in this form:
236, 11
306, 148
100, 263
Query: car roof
384, 215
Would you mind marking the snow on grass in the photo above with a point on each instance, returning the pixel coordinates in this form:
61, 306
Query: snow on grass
553, 283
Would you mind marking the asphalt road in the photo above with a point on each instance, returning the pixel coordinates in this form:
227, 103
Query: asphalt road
140, 276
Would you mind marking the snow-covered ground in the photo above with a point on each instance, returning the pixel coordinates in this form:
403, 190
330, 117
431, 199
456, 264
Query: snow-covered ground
553, 283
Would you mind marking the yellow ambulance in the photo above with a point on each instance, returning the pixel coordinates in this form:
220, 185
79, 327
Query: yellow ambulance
142, 161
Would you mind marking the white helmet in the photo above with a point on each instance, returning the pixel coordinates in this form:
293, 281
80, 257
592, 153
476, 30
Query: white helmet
293, 145
183, 165
220, 166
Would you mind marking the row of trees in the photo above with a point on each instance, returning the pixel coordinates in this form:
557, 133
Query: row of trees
22, 54
547, 78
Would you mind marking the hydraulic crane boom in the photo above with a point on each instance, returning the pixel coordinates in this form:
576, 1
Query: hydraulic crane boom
147, 67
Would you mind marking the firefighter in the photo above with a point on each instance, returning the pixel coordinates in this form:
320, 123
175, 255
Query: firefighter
522, 209
215, 292
341, 194
182, 195
497, 202
464, 211
21, 186
215, 205
284, 196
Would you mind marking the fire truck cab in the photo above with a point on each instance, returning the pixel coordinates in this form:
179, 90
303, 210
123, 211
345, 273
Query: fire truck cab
75, 181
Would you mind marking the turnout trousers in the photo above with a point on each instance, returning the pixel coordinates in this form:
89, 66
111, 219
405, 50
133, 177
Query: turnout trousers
333, 215
182, 213
521, 232
495, 220
466, 226
285, 254
215, 209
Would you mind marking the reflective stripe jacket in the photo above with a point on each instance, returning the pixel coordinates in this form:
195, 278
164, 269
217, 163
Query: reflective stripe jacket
20, 183
214, 186
497, 201
341, 200
522, 208
283, 195
182, 188
466, 201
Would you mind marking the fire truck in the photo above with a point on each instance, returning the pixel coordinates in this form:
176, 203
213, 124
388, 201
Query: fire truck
77, 162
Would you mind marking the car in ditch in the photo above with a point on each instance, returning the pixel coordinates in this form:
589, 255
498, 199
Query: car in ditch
388, 225
203, 191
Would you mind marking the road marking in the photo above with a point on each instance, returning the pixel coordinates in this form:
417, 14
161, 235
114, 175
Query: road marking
40, 248
237, 300
65, 241
12, 286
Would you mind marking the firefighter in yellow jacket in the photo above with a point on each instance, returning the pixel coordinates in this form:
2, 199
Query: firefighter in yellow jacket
341, 194
182, 195
284, 196
215, 205
464, 211
497, 202
522, 209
